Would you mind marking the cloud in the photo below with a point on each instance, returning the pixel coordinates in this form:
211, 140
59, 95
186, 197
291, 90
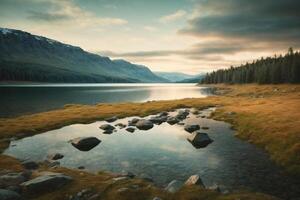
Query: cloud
173, 17
208, 50
42, 16
150, 28
267, 20
67, 10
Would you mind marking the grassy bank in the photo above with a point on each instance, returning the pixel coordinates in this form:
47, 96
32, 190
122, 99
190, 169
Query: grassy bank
102, 183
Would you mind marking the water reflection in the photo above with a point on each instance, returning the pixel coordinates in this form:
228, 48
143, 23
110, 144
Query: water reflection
25, 99
164, 154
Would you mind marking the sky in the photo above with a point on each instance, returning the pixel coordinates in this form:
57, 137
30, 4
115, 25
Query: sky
189, 36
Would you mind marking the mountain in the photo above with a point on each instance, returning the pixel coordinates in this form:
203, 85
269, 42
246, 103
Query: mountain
196, 79
27, 57
178, 76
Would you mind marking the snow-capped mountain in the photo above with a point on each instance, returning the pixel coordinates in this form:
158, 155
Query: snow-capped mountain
28, 57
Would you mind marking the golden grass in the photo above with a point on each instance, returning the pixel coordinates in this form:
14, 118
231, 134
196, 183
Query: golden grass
103, 184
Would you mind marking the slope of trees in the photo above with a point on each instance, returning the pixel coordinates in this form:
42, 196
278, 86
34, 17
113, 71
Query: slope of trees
270, 70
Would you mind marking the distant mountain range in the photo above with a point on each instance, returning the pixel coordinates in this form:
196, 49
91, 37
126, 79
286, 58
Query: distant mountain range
178, 77
27, 57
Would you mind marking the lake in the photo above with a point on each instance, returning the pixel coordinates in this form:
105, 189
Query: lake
32, 98
164, 154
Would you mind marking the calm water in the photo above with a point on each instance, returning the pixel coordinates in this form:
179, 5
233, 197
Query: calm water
164, 154
25, 99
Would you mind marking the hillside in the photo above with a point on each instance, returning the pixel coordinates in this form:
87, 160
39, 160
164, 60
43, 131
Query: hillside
270, 70
27, 57
195, 79
175, 76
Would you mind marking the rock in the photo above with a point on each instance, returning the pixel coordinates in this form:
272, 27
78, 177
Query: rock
133, 122
107, 127
180, 123
9, 195
107, 132
46, 182
194, 180
205, 128
165, 113
144, 124
121, 125
172, 120
12, 179
174, 186
199, 140
191, 128
81, 167
55, 156
111, 119
130, 129
28, 164
85, 143
182, 114
158, 119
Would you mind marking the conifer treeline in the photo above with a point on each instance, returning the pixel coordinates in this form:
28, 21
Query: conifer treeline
270, 70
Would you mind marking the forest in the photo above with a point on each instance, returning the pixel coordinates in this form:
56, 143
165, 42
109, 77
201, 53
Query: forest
270, 70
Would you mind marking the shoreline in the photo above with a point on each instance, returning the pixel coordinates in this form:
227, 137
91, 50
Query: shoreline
246, 107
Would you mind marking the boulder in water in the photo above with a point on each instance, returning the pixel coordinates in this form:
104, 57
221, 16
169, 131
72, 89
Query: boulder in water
130, 129
133, 122
172, 120
85, 143
107, 127
144, 124
199, 140
191, 128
